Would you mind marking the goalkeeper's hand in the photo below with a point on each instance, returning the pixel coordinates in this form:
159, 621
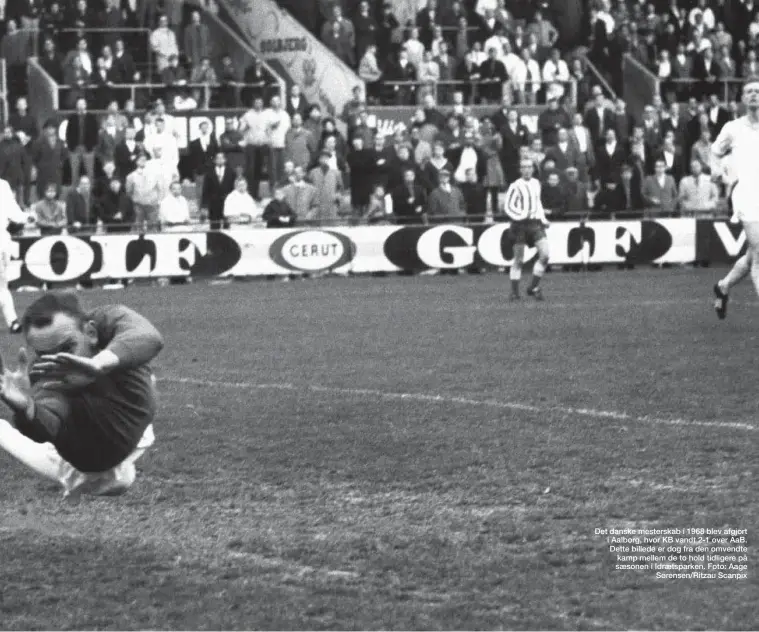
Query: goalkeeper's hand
66, 371
16, 387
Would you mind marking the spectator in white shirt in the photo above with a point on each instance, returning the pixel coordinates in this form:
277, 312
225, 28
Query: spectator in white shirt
478, 55
163, 42
174, 212
510, 59
555, 74
239, 205
277, 126
164, 140
707, 15
414, 48
163, 173
255, 138
664, 65
527, 80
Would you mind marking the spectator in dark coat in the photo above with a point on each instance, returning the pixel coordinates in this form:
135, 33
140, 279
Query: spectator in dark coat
438, 163
51, 61
475, 197
402, 71
361, 162
22, 121
492, 75
15, 165
553, 195
515, 136
609, 160
551, 120
278, 213
201, 152
49, 154
409, 199
217, 185
446, 201
576, 192
125, 153
598, 118
82, 135
80, 207
114, 208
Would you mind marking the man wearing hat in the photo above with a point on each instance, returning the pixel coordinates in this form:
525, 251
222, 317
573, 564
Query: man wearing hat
329, 186
446, 201
551, 120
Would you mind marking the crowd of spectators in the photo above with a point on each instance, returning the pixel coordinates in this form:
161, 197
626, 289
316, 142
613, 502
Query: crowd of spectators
282, 164
695, 47
94, 48
445, 47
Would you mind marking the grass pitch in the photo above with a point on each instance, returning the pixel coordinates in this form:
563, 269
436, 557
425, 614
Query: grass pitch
409, 453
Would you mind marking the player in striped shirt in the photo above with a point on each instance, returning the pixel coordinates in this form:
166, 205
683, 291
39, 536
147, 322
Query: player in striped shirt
528, 224
10, 212
738, 144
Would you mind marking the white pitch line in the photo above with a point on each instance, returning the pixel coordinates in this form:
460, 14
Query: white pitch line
466, 401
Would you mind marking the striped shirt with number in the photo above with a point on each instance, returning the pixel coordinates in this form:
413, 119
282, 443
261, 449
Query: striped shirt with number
523, 201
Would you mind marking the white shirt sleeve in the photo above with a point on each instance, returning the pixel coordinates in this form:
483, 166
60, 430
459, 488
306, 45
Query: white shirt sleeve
9, 208
721, 148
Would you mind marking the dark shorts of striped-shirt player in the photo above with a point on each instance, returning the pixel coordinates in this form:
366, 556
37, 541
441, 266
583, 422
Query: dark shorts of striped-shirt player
528, 232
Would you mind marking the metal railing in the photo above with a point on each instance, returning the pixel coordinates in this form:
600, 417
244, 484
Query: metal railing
3, 92
206, 95
726, 89
412, 92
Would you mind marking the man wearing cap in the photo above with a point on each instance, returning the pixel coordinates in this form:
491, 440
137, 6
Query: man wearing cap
738, 143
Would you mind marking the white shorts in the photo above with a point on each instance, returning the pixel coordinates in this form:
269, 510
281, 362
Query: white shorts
745, 204
115, 481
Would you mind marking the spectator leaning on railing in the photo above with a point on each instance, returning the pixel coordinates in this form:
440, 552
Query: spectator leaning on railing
239, 206
115, 209
80, 207
50, 213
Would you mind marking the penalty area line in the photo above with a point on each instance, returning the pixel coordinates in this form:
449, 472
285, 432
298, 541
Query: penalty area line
591, 413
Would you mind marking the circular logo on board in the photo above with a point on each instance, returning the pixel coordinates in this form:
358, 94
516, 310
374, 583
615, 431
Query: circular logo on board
312, 250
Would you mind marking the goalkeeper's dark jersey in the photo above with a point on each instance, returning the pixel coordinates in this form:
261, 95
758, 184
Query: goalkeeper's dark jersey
97, 427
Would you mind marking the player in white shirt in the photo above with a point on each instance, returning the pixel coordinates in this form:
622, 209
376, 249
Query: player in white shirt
738, 143
528, 224
9, 212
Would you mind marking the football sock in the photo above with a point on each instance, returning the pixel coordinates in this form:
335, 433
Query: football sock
537, 273
515, 286
41, 457
7, 306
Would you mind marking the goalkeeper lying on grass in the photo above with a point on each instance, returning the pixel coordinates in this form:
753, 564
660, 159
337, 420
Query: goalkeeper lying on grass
84, 407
